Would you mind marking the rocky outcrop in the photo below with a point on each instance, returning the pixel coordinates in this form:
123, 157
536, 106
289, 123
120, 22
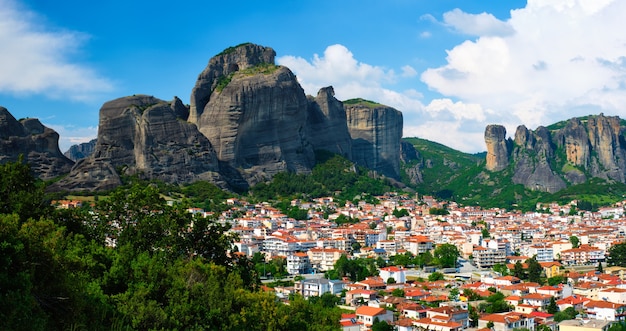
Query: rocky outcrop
39, 146
257, 125
326, 123
413, 161
81, 151
141, 135
219, 69
497, 148
376, 131
569, 152
532, 155
248, 120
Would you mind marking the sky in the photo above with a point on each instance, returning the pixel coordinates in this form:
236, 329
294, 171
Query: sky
451, 66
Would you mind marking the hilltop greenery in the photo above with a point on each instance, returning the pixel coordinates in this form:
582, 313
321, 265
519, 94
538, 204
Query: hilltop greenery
363, 102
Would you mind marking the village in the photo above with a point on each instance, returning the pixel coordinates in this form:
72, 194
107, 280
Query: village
480, 292
566, 243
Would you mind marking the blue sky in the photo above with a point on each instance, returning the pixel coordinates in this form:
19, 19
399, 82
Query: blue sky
451, 67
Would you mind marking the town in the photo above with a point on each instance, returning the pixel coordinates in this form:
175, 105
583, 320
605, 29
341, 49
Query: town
542, 270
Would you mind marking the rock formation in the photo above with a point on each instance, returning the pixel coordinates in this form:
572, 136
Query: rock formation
219, 69
497, 148
81, 151
141, 135
550, 159
248, 120
326, 123
39, 146
376, 131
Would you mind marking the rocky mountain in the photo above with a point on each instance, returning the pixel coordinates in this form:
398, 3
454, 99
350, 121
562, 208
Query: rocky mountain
552, 158
248, 120
142, 135
39, 145
80, 151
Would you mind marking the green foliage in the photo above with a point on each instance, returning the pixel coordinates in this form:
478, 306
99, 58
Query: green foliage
333, 173
382, 325
495, 303
162, 274
400, 212
556, 280
223, 81
232, 49
362, 102
575, 241
355, 269
617, 255
20, 193
435, 276
438, 211
534, 270
568, 314
446, 255
552, 307
206, 195
397, 292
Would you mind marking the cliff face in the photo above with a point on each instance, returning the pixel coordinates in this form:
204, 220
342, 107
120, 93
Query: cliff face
497, 148
220, 67
257, 125
550, 159
38, 144
142, 135
248, 120
326, 123
376, 132
81, 151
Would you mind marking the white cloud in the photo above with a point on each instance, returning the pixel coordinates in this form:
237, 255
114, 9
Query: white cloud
483, 24
408, 71
566, 58
36, 59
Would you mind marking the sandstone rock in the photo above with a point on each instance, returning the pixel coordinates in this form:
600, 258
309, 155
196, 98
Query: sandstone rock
497, 148
38, 144
326, 123
142, 135
81, 151
221, 66
376, 131
257, 125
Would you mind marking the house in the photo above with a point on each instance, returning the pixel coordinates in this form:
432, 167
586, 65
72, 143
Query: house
551, 269
604, 310
616, 271
357, 296
367, 315
486, 258
543, 318
397, 273
575, 301
615, 295
553, 291
437, 324
348, 322
584, 325
507, 321
323, 259
298, 263
451, 314
317, 287
537, 300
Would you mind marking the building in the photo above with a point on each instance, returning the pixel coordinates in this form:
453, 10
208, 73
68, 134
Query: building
584, 325
298, 263
487, 258
366, 315
507, 321
323, 259
317, 287
397, 273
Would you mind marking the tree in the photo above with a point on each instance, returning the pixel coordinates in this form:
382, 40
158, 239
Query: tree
501, 268
567, 314
490, 325
518, 270
552, 307
435, 276
400, 212
599, 268
21, 193
556, 280
617, 255
534, 270
454, 294
575, 241
379, 325
446, 255
485, 233
473, 316
398, 292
